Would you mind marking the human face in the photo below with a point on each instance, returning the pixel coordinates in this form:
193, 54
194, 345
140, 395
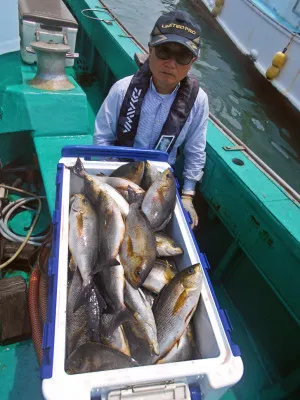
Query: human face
166, 74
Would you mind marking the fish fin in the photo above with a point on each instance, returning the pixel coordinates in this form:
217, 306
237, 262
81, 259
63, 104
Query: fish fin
110, 322
72, 264
180, 301
155, 348
106, 264
78, 168
98, 268
114, 262
164, 223
85, 294
135, 198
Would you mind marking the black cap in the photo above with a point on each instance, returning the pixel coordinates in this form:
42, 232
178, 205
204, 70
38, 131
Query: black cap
179, 27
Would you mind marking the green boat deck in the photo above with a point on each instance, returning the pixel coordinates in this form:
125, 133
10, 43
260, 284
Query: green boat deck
249, 228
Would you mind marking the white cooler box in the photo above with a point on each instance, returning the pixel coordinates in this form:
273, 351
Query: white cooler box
220, 366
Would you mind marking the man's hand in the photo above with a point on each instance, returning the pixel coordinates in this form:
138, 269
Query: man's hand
187, 201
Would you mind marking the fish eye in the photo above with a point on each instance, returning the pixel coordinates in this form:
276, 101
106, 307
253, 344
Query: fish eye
168, 175
190, 270
138, 272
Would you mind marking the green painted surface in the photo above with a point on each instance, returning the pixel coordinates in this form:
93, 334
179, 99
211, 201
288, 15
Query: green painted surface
258, 214
14, 145
49, 153
19, 372
21, 222
52, 113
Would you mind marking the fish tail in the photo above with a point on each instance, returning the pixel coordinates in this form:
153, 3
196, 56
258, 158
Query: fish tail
93, 331
78, 168
86, 293
110, 322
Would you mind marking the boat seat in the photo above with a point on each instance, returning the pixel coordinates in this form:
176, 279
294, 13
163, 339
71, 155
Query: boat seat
47, 12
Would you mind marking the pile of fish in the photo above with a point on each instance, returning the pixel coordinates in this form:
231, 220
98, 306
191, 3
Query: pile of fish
127, 304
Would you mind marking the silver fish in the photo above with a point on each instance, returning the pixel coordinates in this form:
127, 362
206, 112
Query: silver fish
83, 245
132, 171
176, 305
83, 236
166, 246
138, 250
93, 357
92, 187
114, 282
143, 326
182, 350
159, 201
159, 276
113, 279
77, 329
151, 173
111, 228
121, 185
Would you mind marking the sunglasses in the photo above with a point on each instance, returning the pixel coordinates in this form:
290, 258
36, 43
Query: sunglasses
182, 57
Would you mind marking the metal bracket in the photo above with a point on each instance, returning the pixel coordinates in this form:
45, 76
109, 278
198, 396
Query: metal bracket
37, 35
233, 148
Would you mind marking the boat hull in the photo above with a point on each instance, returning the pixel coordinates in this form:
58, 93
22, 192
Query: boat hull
258, 35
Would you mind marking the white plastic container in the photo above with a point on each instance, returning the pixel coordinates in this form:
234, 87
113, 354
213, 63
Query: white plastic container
215, 372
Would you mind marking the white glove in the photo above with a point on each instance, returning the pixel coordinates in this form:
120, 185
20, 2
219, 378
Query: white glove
187, 201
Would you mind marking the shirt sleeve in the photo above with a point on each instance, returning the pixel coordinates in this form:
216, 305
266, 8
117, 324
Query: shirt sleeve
195, 144
105, 132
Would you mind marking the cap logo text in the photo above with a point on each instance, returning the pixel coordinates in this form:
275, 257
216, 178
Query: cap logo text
185, 28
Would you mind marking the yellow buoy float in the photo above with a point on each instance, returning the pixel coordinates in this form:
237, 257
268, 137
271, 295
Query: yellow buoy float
216, 11
279, 59
278, 62
272, 72
217, 8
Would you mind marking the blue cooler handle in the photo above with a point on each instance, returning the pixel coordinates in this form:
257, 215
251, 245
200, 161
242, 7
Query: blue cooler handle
87, 152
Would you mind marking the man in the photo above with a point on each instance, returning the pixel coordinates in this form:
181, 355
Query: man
161, 107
